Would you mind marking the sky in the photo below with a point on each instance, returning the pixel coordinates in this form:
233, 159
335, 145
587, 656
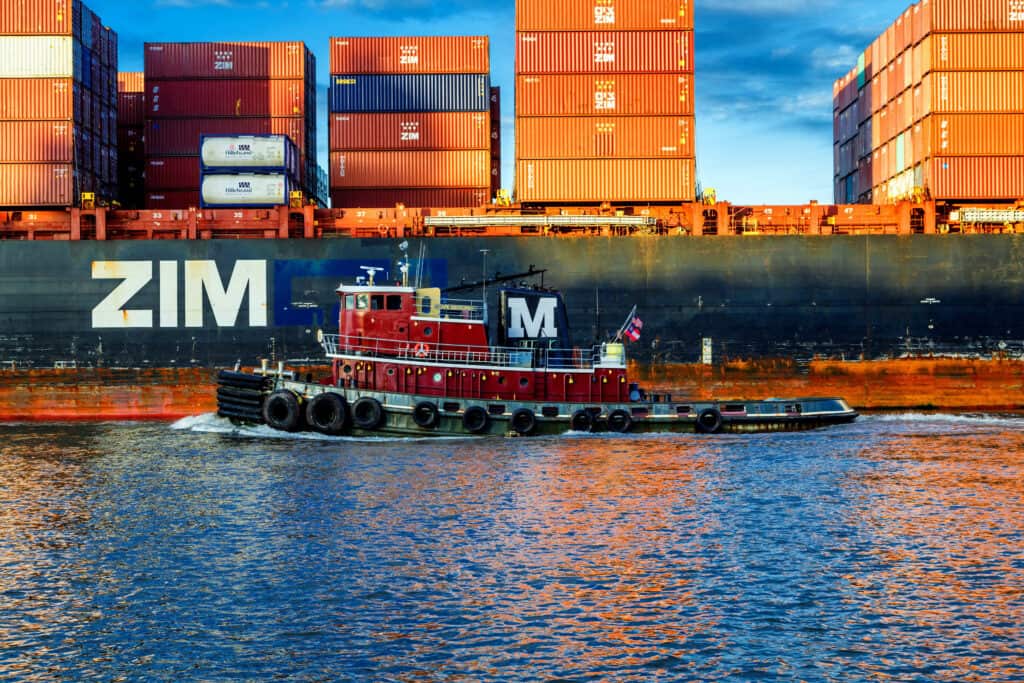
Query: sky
764, 69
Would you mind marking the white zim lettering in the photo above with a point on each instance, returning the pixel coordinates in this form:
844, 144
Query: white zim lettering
202, 283
522, 325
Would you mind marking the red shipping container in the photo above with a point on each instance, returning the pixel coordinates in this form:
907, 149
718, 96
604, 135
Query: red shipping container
381, 170
410, 198
970, 91
41, 17
496, 123
227, 98
172, 173
970, 135
604, 52
40, 99
227, 60
131, 81
621, 95
603, 15
131, 109
605, 180
470, 130
975, 178
411, 55
622, 137
174, 137
30, 185
37, 141
131, 142
172, 200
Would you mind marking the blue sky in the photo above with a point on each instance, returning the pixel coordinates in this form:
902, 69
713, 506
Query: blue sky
765, 68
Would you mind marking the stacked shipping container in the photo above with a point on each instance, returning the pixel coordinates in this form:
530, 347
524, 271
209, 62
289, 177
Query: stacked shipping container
604, 101
58, 99
131, 138
934, 107
411, 122
197, 89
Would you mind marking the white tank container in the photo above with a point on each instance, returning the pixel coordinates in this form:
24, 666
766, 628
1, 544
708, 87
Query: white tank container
245, 189
272, 152
39, 57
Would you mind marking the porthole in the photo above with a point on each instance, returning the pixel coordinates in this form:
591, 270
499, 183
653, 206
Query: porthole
437, 378
524, 381
428, 331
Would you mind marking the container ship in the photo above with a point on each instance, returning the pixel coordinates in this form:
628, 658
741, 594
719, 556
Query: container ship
156, 226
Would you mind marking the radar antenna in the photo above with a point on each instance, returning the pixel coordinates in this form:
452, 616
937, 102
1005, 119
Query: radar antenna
371, 273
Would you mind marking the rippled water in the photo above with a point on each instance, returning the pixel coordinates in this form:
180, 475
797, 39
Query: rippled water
892, 549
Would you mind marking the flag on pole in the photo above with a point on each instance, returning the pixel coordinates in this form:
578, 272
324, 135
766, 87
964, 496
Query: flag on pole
632, 332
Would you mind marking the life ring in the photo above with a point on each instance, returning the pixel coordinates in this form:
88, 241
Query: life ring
421, 350
328, 413
581, 421
281, 411
709, 421
476, 420
367, 413
425, 415
619, 421
524, 421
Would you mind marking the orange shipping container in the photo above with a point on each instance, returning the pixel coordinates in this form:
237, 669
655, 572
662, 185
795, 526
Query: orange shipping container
619, 95
600, 180
131, 81
970, 135
588, 52
28, 185
411, 55
603, 15
607, 137
41, 17
975, 178
971, 52
457, 130
382, 170
976, 15
969, 91
40, 99
37, 141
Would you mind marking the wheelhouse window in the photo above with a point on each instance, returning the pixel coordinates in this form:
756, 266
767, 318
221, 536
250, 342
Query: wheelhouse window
362, 302
377, 302
395, 302
349, 303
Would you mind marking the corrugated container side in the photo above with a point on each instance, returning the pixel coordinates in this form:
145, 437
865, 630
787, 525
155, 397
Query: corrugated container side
622, 95
41, 99
228, 98
131, 81
29, 185
166, 200
607, 137
970, 135
975, 178
181, 137
495, 120
971, 52
595, 15
969, 91
131, 108
37, 141
977, 15
410, 197
226, 60
591, 52
409, 93
172, 173
42, 17
600, 180
40, 57
441, 169
465, 130
411, 55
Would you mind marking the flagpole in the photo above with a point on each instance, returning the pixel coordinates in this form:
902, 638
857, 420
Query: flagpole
618, 335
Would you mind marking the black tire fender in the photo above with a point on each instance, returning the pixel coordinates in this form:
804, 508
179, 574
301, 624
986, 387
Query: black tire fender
328, 413
619, 421
523, 421
282, 411
581, 421
367, 413
476, 420
426, 415
709, 421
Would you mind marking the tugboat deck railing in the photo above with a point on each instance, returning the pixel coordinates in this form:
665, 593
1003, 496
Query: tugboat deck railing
604, 355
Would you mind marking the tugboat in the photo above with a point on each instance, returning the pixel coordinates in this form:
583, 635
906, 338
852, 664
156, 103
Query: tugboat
410, 361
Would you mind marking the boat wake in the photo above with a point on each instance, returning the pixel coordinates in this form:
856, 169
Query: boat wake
966, 419
211, 423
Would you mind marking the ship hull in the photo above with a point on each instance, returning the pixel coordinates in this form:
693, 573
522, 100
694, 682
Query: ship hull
187, 303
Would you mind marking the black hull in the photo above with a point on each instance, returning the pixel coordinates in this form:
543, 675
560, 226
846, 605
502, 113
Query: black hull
754, 297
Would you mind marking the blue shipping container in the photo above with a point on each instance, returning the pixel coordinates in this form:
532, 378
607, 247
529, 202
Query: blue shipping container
410, 93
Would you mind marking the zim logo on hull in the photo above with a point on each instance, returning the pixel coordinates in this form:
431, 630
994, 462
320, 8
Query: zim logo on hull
202, 284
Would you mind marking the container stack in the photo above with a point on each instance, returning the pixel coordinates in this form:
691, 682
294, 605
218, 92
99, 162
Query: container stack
410, 122
933, 108
223, 89
604, 101
131, 136
58, 99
